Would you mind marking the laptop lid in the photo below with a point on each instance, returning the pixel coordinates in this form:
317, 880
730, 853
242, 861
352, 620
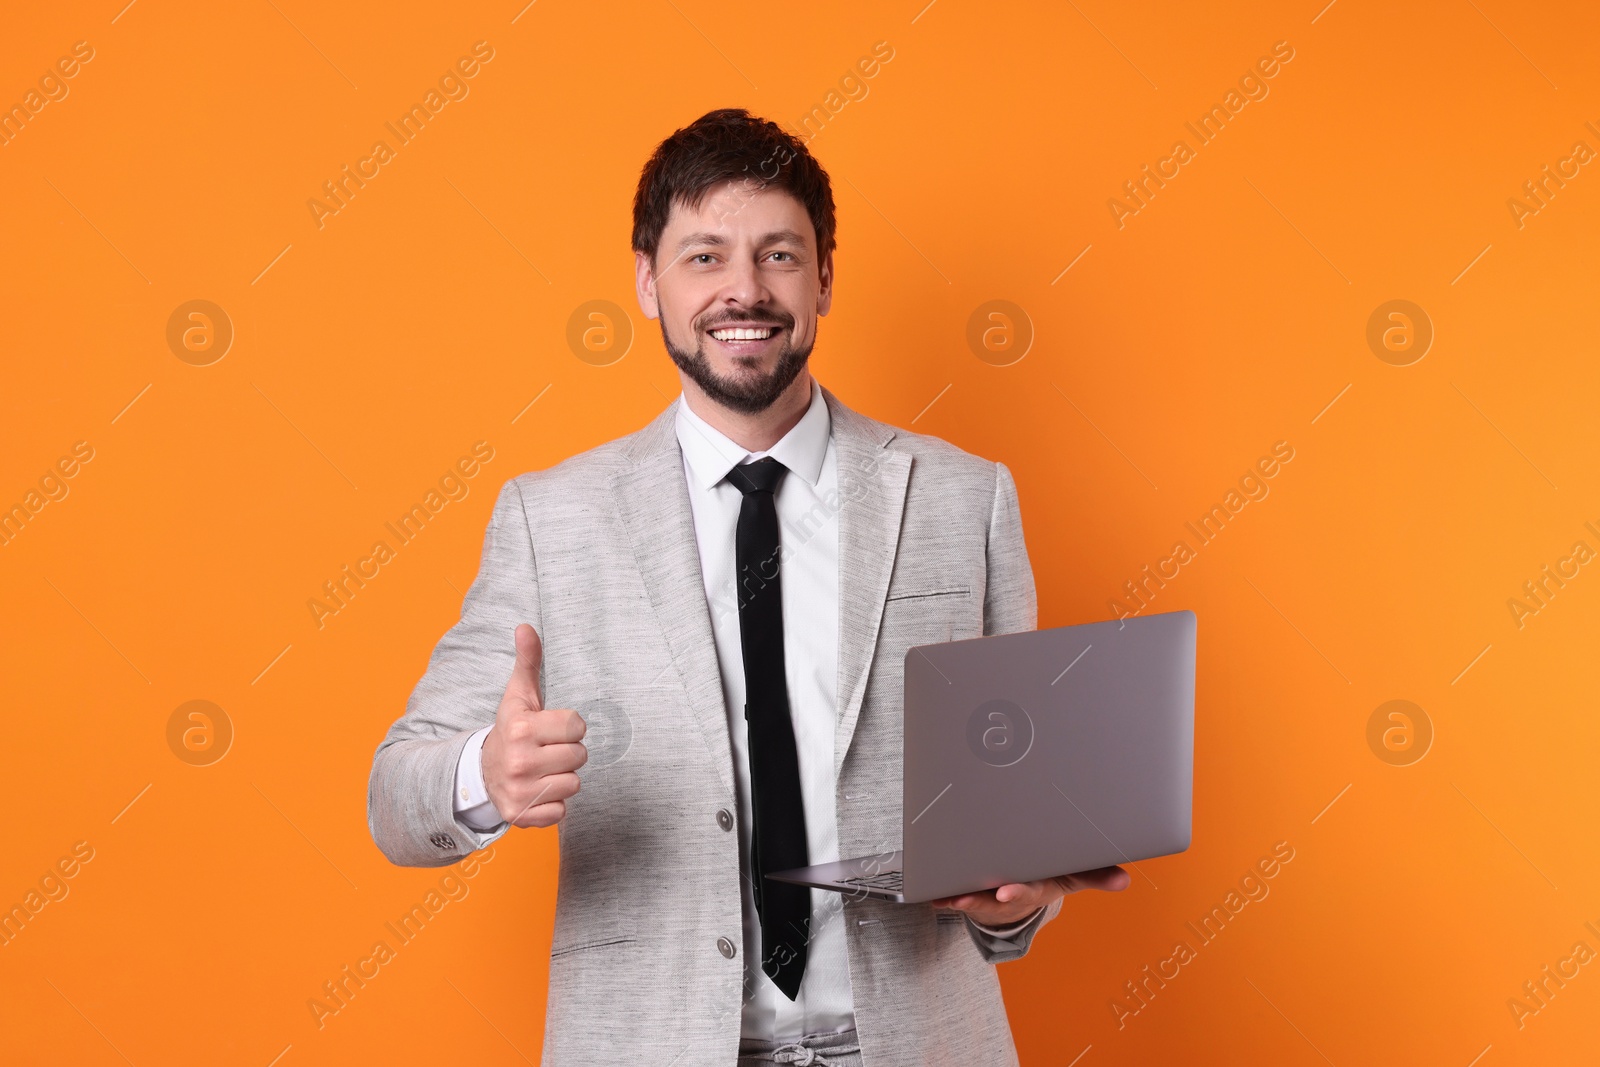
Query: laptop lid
1047, 752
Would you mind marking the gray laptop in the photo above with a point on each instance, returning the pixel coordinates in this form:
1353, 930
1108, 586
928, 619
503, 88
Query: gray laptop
1036, 754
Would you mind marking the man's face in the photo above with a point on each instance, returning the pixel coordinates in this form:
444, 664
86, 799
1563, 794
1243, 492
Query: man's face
746, 262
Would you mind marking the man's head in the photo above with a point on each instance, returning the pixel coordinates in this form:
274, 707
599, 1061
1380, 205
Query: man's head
733, 227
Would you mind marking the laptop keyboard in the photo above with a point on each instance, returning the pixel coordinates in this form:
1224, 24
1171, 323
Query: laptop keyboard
888, 880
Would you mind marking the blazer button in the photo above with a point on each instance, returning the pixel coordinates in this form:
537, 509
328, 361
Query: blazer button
725, 947
725, 818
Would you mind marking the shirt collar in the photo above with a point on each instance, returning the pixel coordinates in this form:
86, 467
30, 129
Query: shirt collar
711, 455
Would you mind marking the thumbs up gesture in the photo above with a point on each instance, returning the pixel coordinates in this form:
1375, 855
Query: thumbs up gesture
532, 753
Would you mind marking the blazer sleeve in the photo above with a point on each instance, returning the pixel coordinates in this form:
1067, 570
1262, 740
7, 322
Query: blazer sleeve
410, 809
1010, 605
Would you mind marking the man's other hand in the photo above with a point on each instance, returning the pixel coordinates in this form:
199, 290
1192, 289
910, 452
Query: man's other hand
532, 753
1015, 901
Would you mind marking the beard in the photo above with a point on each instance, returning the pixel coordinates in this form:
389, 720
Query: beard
749, 393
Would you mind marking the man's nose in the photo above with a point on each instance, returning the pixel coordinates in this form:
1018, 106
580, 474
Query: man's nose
745, 285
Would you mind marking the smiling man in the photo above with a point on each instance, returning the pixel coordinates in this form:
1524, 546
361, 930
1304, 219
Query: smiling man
708, 618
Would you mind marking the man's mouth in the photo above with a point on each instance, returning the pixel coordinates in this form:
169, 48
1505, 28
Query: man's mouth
743, 333
745, 338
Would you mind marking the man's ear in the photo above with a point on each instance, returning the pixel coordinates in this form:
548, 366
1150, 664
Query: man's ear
644, 281
825, 290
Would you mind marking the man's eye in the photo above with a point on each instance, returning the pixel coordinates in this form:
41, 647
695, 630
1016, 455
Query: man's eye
699, 256
789, 254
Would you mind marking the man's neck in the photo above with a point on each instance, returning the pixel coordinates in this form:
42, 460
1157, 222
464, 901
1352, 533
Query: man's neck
757, 432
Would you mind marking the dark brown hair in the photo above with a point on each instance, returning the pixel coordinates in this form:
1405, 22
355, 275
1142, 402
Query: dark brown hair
723, 145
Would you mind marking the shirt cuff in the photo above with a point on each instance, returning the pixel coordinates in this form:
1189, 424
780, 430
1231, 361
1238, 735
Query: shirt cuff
1005, 932
472, 803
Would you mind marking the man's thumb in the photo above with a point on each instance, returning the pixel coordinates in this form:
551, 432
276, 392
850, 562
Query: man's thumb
530, 654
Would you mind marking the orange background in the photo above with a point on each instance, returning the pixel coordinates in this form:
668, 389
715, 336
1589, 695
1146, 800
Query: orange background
427, 314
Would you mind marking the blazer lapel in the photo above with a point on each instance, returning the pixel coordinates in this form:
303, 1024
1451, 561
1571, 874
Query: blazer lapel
652, 498
872, 492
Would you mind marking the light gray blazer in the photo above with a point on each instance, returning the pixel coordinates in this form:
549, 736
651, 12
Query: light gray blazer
599, 554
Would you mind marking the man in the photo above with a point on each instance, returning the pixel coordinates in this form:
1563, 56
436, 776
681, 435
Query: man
719, 605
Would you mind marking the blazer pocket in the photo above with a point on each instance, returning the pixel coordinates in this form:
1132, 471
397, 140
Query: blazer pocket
929, 593
949, 916
556, 954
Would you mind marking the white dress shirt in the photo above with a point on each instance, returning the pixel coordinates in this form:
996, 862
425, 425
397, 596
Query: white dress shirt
808, 503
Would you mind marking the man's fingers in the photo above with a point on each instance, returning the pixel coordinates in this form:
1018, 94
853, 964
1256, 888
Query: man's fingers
1108, 879
532, 764
541, 815
1014, 891
519, 776
525, 674
538, 729
559, 726
553, 787
548, 803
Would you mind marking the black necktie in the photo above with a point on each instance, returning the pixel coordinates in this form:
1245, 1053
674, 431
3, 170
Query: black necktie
778, 839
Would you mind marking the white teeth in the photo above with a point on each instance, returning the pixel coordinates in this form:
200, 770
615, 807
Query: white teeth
735, 334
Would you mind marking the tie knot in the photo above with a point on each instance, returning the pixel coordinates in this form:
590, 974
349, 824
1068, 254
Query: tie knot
762, 476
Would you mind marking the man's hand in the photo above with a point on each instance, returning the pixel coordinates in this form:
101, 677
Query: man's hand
532, 753
1015, 901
